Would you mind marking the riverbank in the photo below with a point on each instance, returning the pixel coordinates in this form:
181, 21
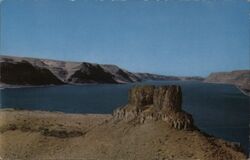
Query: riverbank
3, 86
244, 91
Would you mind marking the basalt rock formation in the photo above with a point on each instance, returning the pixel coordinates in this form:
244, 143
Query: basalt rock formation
89, 73
155, 103
23, 73
33, 71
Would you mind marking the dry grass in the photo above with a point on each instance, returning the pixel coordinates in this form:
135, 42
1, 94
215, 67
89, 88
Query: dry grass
30, 135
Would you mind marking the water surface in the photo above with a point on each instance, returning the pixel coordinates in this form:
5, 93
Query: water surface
220, 110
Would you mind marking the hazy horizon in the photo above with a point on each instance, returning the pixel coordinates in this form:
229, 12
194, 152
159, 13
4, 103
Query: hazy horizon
180, 38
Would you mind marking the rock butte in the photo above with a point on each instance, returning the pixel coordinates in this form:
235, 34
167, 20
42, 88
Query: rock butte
155, 103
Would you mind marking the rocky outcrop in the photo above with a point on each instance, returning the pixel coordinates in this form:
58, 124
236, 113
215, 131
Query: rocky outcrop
121, 75
148, 103
89, 73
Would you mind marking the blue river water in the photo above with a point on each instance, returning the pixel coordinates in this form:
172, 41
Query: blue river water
218, 109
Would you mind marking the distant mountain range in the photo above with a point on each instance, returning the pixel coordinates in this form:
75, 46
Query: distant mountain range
32, 71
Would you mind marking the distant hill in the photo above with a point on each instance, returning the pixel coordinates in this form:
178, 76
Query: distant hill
240, 78
33, 71
148, 76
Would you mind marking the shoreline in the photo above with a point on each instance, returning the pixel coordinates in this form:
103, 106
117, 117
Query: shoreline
7, 86
52, 85
13, 109
243, 91
238, 87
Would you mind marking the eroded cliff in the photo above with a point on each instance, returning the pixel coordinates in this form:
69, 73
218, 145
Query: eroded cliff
34, 71
155, 103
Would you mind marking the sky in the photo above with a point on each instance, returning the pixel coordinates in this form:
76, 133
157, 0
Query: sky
170, 37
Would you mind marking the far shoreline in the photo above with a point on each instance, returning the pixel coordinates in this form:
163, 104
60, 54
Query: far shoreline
9, 86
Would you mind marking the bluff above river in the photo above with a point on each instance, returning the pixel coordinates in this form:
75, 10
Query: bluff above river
151, 126
240, 78
32, 71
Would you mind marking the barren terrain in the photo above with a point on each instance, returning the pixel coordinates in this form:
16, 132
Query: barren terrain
30, 135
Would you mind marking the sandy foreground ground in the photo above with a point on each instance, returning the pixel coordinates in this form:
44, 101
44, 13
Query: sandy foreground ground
31, 135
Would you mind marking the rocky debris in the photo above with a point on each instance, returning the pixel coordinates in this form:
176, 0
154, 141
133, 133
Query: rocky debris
155, 103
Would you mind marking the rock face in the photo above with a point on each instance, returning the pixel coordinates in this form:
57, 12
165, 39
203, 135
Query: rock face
23, 73
155, 103
32, 71
240, 78
121, 75
89, 73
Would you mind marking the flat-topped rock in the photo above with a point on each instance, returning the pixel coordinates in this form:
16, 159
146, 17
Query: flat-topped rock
155, 103
141, 96
163, 97
168, 98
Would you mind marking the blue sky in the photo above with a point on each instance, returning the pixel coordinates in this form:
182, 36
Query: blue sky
174, 37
